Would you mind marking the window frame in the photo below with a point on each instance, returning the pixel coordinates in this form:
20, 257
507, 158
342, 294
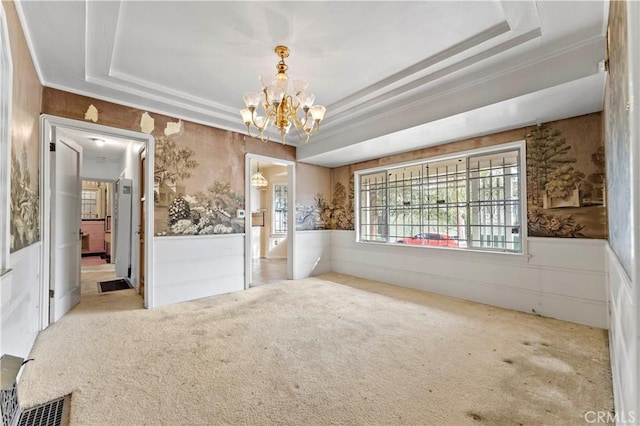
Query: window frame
273, 209
494, 149
96, 192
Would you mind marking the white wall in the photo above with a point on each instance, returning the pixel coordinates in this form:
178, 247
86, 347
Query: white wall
192, 267
560, 278
20, 296
623, 337
100, 170
313, 253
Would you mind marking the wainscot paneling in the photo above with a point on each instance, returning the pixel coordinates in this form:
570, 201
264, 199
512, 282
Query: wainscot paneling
312, 253
558, 278
191, 267
623, 339
20, 301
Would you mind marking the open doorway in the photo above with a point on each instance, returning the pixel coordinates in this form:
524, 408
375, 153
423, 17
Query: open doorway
269, 220
103, 207
96, 215
97, 226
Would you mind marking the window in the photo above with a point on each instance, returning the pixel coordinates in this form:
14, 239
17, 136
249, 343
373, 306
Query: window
89, 204
280, 209
468, 201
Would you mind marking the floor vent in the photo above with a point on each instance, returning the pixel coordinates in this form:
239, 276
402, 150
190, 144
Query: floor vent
52, 413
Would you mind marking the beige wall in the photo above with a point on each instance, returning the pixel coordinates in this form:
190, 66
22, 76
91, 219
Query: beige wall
312, 180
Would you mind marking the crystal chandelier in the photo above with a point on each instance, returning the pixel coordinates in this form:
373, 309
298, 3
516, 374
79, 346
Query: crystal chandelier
281, 109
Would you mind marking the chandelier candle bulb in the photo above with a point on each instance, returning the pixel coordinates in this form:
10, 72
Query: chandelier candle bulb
317, 112
300, 86
247, 116
281, 108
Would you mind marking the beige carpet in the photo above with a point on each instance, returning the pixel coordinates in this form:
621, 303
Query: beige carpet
327, 350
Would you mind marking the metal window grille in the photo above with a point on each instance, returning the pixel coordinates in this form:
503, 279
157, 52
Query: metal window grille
280, 209
465, 202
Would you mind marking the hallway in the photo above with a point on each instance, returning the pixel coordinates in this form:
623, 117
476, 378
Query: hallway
268, 271
90, 293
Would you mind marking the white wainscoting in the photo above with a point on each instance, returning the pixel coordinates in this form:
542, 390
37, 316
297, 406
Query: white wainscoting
20, 301
623, 339
559, 278
313, 253
191, 267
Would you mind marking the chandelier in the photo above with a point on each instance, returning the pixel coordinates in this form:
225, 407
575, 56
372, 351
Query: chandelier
282, 109
258, 180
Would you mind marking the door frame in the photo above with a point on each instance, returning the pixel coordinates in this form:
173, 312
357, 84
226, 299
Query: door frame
48, 127
291, 215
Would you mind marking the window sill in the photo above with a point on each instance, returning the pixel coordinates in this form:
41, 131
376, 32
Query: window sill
447, 251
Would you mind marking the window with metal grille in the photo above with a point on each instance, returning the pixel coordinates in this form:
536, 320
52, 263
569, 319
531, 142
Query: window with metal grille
280, 209
89, 204
469, 201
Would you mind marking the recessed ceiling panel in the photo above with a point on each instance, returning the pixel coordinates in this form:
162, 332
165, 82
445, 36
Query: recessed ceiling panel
215, 50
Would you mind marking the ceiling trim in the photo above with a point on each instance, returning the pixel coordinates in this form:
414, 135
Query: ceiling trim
232, 126
476, 123
420, 99
464, 45
100, 34
429, 78
29, 40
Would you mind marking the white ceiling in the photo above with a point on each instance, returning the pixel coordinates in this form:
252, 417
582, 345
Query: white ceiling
444, 70
112, 150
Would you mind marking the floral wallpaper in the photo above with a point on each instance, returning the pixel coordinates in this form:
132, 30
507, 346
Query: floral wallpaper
324, 214
566, 180
186, 208
24, 199
24, 161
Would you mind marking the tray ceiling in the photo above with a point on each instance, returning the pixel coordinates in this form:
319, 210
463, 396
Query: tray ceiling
394, 76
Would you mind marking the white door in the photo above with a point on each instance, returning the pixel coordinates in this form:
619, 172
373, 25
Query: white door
122, 215
66, 234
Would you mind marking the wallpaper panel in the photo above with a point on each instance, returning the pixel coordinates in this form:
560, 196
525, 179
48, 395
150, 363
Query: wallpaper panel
565, 177
199, 170
618, 139
25, 152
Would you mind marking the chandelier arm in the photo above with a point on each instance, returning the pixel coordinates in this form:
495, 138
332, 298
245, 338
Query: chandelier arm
297, 122
315, 127
250, 134
306, 137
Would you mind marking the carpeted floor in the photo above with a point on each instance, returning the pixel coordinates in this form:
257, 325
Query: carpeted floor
326, 350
